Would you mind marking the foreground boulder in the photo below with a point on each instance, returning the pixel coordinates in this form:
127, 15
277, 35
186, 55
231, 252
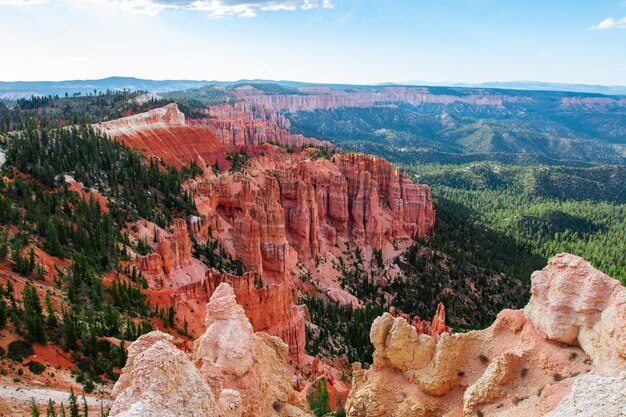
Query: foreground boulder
575, 304
234, 373
233, 358
524, 364
160, 380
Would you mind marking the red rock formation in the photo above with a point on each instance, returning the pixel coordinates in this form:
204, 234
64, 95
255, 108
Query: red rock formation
270, 308
320, 98
433, 329
173, 251
285, 209
292, 202
236, 126
163, 133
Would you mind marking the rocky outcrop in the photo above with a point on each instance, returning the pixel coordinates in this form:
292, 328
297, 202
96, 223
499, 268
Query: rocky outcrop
433, 329
575, 304
243, 370
270, 308
231, 356
172, 251
160, 380
293, 207
594, 395
522, 364
601, 103
164, 133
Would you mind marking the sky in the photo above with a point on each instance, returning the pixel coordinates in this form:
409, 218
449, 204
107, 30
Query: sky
330, 41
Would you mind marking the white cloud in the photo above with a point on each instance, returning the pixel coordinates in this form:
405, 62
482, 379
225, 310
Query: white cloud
21, 2
609, 23
216, 8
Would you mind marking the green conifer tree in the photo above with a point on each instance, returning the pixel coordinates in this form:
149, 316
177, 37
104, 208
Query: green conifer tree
34, 411
33, 315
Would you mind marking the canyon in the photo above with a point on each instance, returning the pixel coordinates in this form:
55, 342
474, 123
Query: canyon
288, 210
556, 357
288, 214
280, 218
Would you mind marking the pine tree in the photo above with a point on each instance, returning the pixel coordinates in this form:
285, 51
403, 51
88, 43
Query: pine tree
85, 407
31, 261
34, 412
50, 410
171, 316
73, 406
70, 332
3, 313
33, 315
52, 319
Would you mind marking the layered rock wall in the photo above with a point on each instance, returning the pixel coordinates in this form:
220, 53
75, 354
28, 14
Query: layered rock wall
297, 207
163, 133
326, 98
241, 124
173, 251
270, 308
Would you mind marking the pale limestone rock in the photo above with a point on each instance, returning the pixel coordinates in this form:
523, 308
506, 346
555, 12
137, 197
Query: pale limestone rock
594, 396
230, 403
244, 370
160, 380
520, 366
234, 358
490, 386
576, 304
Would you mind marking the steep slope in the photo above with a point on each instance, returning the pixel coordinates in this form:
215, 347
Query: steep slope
241, 124
163, 132
291, 207
524, 364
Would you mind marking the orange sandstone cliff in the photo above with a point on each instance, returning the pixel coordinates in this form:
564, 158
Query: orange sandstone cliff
163, 132
285, 216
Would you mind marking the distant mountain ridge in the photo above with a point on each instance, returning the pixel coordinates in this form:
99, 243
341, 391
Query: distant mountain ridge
12, 90
619, 90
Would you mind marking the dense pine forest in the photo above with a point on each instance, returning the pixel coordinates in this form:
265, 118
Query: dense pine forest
544, 210
39, 209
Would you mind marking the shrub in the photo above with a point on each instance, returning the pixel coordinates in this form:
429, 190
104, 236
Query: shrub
36, 367
19, 350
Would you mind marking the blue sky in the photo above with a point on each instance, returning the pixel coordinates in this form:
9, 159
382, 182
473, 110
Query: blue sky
343, 41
